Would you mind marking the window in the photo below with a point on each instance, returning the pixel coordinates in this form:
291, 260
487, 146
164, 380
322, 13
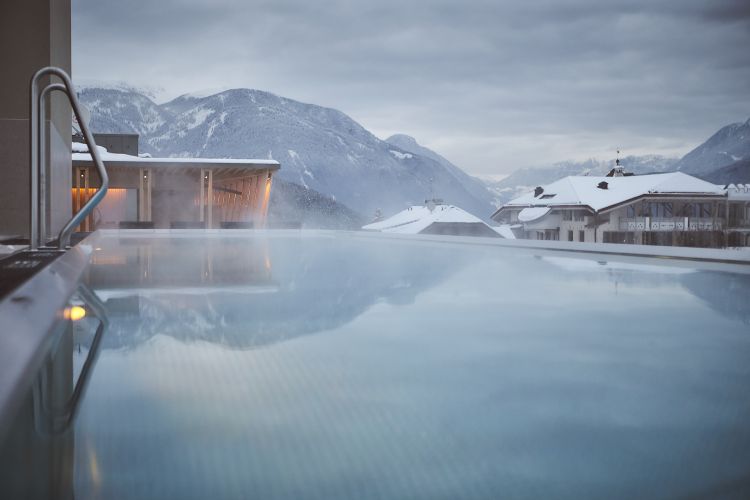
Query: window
705, 210
540, 235
567, 215
689, 210
580, 235
631, 212
578, 215
666, 210
570, 235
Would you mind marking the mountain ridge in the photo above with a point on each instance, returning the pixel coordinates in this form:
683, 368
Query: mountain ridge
321, 149
327, 152
729, 144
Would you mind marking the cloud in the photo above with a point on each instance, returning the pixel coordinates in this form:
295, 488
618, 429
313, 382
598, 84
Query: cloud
495, 85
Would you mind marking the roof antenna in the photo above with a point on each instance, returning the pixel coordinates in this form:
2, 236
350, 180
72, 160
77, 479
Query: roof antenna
618, 171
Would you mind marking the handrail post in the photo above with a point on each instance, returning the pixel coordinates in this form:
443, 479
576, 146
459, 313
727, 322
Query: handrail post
34, 160
42, 141
37, 102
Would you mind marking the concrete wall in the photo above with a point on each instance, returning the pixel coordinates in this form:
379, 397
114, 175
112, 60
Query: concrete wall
33, 34
118, 143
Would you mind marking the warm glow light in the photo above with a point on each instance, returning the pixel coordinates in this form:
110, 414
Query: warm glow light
94, 473
74, 313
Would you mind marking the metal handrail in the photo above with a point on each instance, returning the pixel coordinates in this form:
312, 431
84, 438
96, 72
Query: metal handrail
42, 158
38, 139
52, 421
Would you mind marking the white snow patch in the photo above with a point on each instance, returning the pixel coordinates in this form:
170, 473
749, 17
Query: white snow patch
298, 161
80, 153
400, 155
532, 213
199, 116
505, 231
215, 123
417, 218
81, 147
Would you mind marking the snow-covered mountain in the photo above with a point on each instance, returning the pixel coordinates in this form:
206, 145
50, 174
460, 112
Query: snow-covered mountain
319, 148
474, 185
729, 145
116, 109
734, 173
527, 178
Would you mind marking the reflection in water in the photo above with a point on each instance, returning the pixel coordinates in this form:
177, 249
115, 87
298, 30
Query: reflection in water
37, 445
444, 372
34, 462
728, 294
228, 292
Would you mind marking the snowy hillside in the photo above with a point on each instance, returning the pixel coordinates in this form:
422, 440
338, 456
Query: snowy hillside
407, 143
729, 145
319, 148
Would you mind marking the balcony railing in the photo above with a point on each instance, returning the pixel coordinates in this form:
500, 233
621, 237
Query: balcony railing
671, 224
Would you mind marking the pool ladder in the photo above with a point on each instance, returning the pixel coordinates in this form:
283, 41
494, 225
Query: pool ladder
50, 420
38, 184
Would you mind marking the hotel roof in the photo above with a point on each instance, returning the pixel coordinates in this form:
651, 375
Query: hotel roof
602, 193
81, 157
418, 218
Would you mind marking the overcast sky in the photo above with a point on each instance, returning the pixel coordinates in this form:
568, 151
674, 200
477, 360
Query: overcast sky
492, 85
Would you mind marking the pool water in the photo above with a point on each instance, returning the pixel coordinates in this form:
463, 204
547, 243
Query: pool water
312, 365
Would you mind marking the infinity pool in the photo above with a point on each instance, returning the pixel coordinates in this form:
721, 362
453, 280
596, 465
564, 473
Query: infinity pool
310, 365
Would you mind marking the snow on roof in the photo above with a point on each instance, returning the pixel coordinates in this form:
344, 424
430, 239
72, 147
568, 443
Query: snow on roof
81, 153
584, 190
417, 218
532, 213
505, 230
738, 191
